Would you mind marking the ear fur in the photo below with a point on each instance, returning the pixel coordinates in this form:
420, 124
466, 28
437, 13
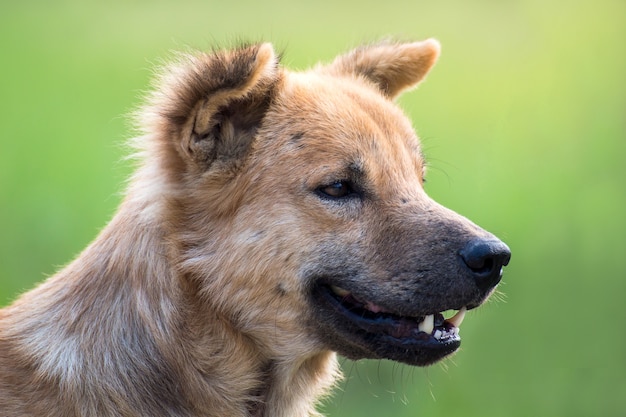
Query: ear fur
212, 104
392, 67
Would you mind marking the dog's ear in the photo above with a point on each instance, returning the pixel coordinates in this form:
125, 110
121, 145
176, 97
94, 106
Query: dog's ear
392, 67
211, 105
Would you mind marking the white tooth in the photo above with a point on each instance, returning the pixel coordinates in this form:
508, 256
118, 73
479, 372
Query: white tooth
428, 324
457, 319
437, 334
339, 291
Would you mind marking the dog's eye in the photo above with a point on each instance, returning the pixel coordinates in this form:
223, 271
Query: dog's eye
337, 189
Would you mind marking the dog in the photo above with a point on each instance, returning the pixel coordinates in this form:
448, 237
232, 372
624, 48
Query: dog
275, 220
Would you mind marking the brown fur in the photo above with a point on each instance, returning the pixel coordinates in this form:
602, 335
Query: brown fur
197, 298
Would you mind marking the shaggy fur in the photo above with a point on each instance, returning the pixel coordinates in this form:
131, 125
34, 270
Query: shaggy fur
257, 189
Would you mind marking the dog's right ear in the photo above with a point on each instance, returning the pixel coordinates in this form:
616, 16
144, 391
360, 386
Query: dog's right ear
391, 67
210, 105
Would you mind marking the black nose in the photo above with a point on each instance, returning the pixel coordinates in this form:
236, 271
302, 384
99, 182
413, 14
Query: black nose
485, 259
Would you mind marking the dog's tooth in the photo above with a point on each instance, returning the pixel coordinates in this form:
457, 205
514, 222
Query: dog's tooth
438, 334
457, 319
428, 324
339, 291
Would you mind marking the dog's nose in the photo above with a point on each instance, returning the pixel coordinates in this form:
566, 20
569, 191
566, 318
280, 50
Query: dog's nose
485, 259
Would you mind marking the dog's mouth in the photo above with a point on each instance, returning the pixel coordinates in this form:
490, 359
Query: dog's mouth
431, 326
417, 340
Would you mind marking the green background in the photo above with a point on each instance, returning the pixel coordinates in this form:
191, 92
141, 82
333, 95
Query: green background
523, 120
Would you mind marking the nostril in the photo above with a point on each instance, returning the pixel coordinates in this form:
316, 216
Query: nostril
485, 259
481, 266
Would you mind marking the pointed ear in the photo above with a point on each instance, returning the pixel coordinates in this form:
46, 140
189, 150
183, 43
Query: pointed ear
211, 105
392, 67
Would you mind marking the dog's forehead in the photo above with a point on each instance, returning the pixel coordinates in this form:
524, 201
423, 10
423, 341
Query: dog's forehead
349, 109
345, 122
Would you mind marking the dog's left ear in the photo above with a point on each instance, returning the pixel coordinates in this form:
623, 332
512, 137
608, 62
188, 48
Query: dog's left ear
392, 67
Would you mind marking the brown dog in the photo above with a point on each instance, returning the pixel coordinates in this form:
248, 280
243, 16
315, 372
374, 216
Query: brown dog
276, 218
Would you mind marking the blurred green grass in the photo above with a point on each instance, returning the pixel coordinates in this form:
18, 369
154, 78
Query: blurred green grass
523, 121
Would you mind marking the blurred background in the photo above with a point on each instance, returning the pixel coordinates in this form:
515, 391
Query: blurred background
523, 121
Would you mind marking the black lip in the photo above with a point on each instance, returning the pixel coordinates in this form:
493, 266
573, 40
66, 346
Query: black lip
382, 335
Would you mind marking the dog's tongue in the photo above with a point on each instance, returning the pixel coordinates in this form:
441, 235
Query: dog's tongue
368, 305
374, 308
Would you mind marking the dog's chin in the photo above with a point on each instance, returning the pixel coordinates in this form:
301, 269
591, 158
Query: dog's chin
358, 329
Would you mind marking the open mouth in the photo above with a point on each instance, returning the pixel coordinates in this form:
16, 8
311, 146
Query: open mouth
418, 340
423, 327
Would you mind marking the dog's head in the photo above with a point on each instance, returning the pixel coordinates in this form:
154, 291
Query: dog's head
298, 209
